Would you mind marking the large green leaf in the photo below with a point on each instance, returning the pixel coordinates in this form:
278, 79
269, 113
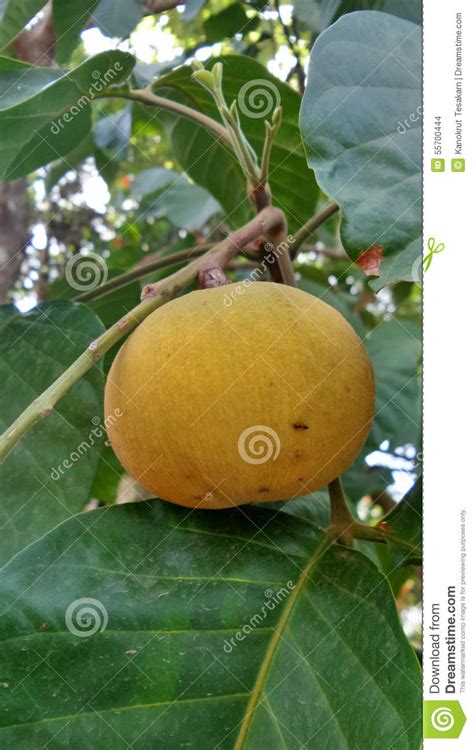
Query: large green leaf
210, 165
69, 18
317, 15
352, 123
34, 350
20, 81
117, 18
51, 111
320, 659
395, 349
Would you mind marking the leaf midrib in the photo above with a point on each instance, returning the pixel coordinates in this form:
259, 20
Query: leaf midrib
274, 642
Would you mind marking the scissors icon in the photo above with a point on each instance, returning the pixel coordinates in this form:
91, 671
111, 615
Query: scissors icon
433, 249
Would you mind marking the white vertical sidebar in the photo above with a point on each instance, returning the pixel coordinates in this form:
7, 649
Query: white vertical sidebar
448, 455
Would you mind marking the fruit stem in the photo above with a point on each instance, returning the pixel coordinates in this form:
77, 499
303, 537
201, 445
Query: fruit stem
342, 520
346, 528
270, 220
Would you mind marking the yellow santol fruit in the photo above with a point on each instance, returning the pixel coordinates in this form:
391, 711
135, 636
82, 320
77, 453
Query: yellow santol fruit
244, 393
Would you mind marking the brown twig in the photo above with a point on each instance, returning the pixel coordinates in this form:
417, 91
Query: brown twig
307, 229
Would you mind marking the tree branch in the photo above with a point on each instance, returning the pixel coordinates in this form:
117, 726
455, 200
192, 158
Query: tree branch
153, 296
181, 256
312, 224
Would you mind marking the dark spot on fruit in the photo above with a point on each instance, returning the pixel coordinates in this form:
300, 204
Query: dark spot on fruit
300, 426
297, 455
263, 489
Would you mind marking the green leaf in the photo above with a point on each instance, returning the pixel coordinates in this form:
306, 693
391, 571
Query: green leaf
352, 124
113, 132
152, 180
109, 308
361, 479
394, 348
6, 311
20, 81
118, 18
34, 350
319, 14
327, 665
187, 205
15, 17
166, 193
313, 508
232, 20
53, 113
405, 521
211, 165
145, 73
69, 19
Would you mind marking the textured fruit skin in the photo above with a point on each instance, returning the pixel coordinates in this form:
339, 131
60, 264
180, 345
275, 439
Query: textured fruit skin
215, 365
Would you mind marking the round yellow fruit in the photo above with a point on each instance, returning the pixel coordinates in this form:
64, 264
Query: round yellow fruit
245, 393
